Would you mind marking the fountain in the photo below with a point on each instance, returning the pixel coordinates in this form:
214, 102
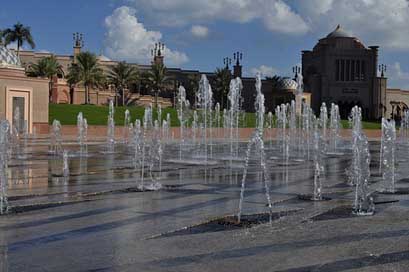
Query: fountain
283, 139
82, 127
183, 106
404, 127
324, 123
388, 155
270, 128
257, 142
137, 143
334, 127
147, 125
127, 126
355, 119
111, 129
166, 128
299, 92
359, 171
226, 122
306, 128
155, 155
363, 202
4, 156
217, 113
235, 99
195, 127
205, 103
56, 139
159, 115
292, 135
318, 165
65, 168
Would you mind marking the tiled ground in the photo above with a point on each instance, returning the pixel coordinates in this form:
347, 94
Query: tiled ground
91, 223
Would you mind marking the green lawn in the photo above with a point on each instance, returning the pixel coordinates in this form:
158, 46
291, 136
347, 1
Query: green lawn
365, 124
97, 115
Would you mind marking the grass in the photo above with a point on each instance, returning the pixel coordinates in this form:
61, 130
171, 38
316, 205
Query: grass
365, 124
97, 115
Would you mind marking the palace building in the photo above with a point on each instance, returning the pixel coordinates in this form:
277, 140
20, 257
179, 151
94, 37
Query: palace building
341, 69
140, 95
22, 99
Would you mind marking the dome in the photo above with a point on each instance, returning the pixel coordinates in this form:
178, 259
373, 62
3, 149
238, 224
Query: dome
287, 84
103, 58
8, 58
339, 32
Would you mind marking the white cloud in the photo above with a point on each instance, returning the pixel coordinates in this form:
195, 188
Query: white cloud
128, 39
199, 31
397, 77
265, 71
276, 15
377, 22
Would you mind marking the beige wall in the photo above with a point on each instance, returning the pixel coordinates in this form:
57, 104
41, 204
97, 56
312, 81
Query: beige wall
16, 79
395, 95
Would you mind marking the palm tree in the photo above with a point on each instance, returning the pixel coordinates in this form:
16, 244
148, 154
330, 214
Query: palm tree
222, 85
87, 72
157, 79
46, 67
192, 87
275, 80
1, 36
20, 34
122, 76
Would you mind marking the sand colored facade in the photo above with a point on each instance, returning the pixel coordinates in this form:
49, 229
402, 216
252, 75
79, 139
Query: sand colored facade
23, 99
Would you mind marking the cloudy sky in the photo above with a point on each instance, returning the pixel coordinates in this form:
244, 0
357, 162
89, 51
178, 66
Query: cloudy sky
199, 33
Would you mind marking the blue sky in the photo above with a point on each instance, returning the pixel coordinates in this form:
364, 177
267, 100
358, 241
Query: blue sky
199, 34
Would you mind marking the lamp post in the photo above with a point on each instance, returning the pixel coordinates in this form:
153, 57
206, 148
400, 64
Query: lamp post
296, 71
227, 62
238, 56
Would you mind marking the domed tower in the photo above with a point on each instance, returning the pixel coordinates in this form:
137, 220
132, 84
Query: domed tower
8, 59
341, 69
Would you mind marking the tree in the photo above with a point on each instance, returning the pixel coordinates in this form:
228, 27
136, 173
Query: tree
222, 85
1, 37
20, 34
157, 79
87, 72
192, 87
122, 76
46, 67
275, 80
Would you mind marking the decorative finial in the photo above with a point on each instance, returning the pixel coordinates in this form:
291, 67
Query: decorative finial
227, 62
296, 71
78, 39
238, 56
158, 50
382, 69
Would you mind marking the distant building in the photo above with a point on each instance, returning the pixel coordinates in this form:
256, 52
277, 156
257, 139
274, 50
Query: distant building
22, 99
275, 94
341, 69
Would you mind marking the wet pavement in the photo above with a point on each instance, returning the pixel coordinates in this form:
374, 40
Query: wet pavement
97, 219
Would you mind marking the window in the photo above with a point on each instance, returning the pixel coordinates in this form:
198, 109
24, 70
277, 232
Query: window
363, 75
350, 70
337, 70
347, 74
